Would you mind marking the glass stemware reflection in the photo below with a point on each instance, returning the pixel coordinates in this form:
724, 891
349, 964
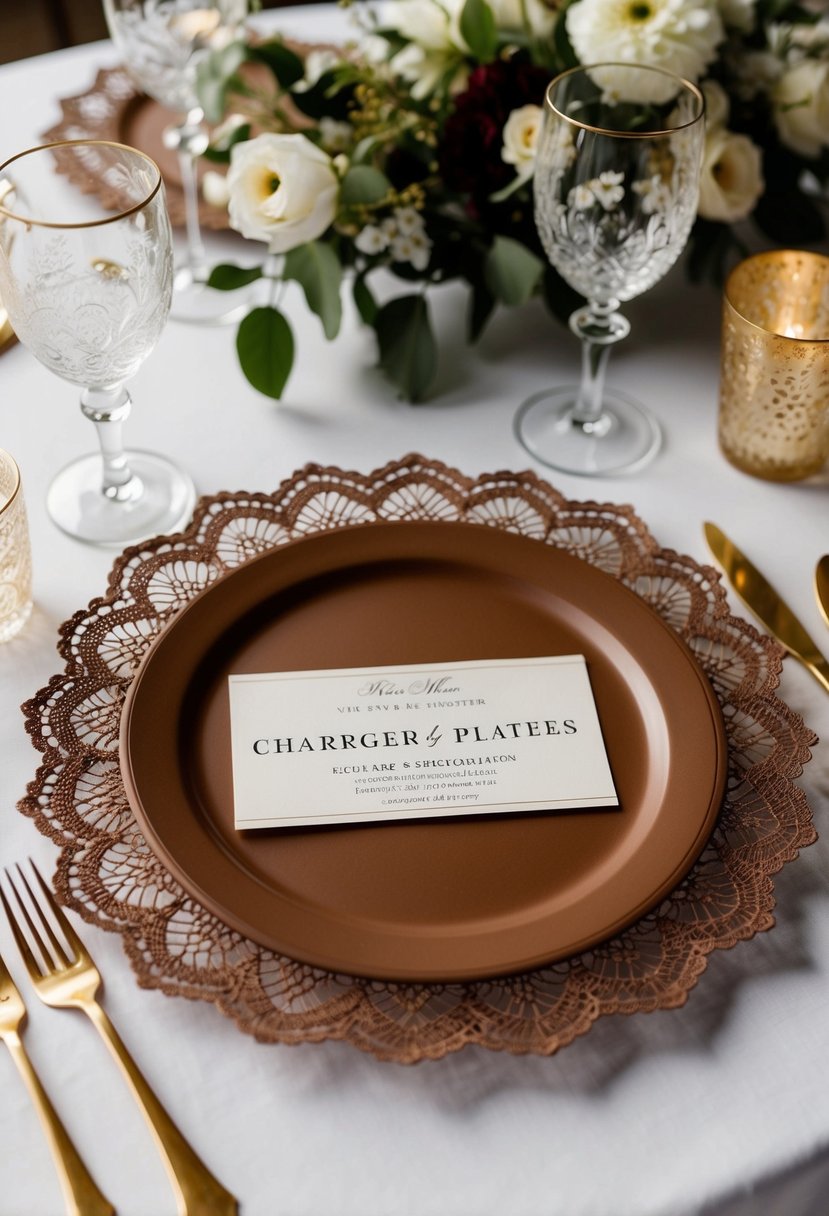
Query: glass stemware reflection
88, 292
162, 43
616, 187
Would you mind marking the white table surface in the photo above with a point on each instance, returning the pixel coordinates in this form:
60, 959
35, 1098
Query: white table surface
649, 1116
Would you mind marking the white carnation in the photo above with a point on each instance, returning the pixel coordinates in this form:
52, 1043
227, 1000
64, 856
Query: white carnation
283, 190
801, 106
680, 36
731, 180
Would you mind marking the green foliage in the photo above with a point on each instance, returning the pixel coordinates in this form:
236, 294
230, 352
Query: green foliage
367, 306
479, 30
265, 346
363, 184
227, 277
317, 269
561, 299
408, 353
511, 271
285, 64
215, 75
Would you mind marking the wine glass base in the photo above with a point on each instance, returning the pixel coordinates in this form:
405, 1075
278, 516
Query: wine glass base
75, 501
624, 438
194, 303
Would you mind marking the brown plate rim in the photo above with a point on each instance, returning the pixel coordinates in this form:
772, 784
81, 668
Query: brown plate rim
249, 571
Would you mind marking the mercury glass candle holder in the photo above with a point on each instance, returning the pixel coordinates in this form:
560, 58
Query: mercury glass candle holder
774, 380
15, 555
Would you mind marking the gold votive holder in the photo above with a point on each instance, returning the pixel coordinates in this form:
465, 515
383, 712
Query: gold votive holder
774, 378
15, 554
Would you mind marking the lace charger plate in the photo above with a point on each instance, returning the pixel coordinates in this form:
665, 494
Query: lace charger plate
114, 109
109, 874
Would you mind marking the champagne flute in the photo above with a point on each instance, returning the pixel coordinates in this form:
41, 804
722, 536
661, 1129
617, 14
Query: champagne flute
88, 292
162, 43
616, 187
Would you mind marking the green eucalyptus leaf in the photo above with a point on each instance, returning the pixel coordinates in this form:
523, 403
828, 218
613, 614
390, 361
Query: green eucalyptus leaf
363, 184
408, 353
511, 271
479, 30
265, 346
214, 74
317, 269
364, 299
227, 277
285, 64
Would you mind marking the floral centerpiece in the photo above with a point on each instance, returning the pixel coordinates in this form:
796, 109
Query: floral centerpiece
411, 151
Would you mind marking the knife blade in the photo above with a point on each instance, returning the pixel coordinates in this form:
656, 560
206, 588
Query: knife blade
768, 606
822, 586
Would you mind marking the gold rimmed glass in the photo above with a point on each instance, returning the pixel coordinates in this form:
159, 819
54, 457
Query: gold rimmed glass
616, 187
162, 43
15, 554
88, 292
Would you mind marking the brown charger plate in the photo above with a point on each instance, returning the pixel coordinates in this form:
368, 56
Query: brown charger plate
435, 900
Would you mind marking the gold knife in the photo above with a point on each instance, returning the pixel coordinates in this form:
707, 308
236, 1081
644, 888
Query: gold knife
822, 586
770, 608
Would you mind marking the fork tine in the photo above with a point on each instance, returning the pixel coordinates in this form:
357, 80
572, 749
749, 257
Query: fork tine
32, 965
50, 933
60, 916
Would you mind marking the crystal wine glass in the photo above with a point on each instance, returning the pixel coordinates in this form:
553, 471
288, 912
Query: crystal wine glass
162, 43
616, 186
88, 292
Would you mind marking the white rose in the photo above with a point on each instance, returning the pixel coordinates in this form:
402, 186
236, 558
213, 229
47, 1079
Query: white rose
801, 106
521, 131
731, 180
680, 36
283, 190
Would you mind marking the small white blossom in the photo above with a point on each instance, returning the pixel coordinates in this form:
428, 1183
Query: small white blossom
225, 131
680, 36
655, 195
336, 136
388, 227
215, 189
581, 197
414, 249
608, 189
372, 240
408, 221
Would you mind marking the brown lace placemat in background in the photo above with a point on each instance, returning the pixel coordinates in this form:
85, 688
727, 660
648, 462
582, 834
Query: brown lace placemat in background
107, 872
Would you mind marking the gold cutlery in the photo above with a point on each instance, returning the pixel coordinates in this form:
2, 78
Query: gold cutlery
767, 605
822, 586
68, 978
80, 1193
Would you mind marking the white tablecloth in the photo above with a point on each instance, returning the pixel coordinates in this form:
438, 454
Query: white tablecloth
649, 1116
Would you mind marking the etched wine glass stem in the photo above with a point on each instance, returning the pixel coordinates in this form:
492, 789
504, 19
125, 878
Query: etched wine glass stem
600, 326
109, 408
189, 139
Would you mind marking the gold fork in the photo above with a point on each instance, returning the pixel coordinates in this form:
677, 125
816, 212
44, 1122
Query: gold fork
71, 980
80, 1193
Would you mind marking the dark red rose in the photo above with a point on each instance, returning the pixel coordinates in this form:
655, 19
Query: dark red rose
470, 151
